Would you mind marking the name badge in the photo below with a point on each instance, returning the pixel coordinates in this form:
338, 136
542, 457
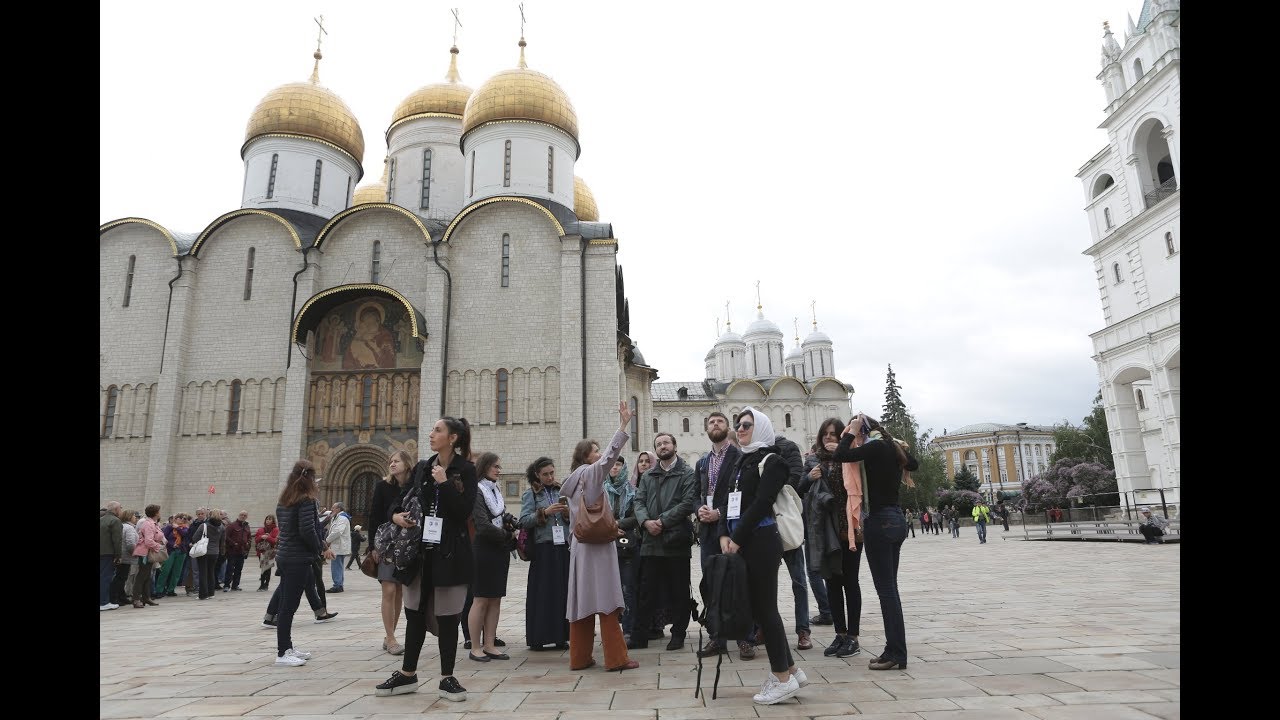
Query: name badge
735, 505
711, 501
434, 530
557, 534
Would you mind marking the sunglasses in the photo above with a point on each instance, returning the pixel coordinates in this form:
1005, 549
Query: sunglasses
745, 426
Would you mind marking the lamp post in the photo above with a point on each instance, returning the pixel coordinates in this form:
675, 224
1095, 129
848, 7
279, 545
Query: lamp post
995, 460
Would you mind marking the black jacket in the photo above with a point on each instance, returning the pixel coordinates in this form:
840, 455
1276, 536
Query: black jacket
758, 493
482, 519
880, 460
790, 452
451, 562
385, 496
298, 542
822, 538
709, 533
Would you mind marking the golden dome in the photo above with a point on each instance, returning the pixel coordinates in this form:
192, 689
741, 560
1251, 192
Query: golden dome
372, 192
521, 94
448, 98
584, 203
308, 109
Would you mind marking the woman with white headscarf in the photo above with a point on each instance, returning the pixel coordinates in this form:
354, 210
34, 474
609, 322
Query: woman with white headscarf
749, 528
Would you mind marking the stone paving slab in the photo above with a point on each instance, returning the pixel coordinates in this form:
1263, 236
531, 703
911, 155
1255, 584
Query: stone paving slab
1078, 643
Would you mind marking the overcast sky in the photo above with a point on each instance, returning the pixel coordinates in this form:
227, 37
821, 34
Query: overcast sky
908, 166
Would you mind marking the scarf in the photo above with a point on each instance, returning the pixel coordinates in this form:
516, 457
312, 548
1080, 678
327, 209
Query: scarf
621, 491
763, 435
493, 501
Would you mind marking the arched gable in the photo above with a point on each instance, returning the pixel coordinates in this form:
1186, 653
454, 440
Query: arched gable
783, 389
1130, 373
345, 215
315, 309
228, 217
746, 384
467, 211
829, 388
164, 232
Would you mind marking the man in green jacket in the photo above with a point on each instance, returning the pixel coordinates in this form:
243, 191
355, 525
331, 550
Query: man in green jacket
110, 547
664, 501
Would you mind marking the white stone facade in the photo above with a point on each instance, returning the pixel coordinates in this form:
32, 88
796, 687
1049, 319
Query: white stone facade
203, 382
1133, 196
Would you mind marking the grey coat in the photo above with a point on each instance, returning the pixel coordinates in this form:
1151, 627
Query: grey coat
594, 583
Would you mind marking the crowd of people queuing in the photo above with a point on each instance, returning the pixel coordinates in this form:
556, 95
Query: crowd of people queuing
441, 541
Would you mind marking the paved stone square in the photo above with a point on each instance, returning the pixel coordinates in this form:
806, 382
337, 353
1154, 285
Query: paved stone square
1002, 631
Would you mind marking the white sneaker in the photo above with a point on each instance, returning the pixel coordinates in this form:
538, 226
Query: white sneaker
298, 653
769, 681
777, 692
108, 606
288, 660
800, 677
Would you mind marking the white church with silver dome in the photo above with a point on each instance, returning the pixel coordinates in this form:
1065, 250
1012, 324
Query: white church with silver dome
336, 321
797, 390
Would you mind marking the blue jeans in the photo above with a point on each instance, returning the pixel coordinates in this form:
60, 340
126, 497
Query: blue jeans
885, 532
796, 567
818, 587
335, 569
982, 532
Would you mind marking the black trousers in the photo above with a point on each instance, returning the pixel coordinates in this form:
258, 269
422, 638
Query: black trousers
664, 581
763, 555
235, 566
293, 581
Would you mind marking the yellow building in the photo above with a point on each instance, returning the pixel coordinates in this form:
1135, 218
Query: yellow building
1021, 452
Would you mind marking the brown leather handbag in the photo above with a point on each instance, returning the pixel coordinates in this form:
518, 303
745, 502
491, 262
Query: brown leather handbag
595, 523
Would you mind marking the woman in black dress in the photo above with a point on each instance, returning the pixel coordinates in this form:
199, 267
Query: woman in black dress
547, 592
495, 535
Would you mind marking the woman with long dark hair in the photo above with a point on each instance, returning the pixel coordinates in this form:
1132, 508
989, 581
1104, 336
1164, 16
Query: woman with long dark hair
495, 536
433, 598
749, 527
385, 496
547, 589
843, 591
297, 545
865, 440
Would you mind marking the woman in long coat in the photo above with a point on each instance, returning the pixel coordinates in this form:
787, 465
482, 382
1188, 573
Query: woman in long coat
595, 587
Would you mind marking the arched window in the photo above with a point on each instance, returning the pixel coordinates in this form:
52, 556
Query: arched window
426, 179
348, 195
551, 168
686, 425
635, 423
366, 403
1137, 69
501, 395
128, 280
1142, 401
506, 166
655, 425
1115, 268
1168, 243
1102, 184
375, 268
271, 181
109, 417
506, 260
1106, 215
788, 419
233, 410
391, 180
248, 275
315, 185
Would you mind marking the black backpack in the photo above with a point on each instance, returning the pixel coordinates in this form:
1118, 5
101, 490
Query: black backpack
726, 612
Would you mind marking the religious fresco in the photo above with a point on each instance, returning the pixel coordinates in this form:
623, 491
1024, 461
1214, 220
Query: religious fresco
370, 333
320, 451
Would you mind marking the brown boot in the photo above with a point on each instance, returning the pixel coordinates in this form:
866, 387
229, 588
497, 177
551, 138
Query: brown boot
138, 604
804, 643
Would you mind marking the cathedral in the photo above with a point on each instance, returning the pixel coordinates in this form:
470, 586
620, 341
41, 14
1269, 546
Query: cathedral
1133, 201
335, 320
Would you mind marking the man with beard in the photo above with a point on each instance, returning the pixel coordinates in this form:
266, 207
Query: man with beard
713, 502
663, 503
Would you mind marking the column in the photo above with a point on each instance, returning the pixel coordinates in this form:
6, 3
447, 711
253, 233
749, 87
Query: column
1126, 436
168, 417
570, 347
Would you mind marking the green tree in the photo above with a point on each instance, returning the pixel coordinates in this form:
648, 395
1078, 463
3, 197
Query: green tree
966, 480
1088, 443
895, 416
901, 424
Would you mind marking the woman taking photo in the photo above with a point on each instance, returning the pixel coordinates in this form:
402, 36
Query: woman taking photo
843, 591
864, 440
385, 496
594, 585
547, 590
495, 536
298, 544
749, 528
433, 599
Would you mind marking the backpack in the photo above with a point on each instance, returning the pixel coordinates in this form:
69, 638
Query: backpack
787, 513
726, 611
402, 546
